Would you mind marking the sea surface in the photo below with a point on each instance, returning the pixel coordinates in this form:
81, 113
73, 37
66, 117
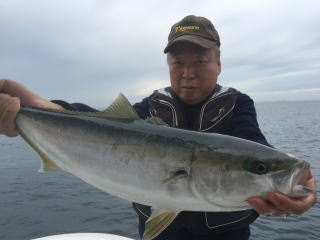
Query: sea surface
34, 204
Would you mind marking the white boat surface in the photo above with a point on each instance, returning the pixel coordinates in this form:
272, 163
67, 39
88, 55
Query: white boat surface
84, 236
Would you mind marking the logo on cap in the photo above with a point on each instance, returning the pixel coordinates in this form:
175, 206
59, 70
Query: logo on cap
185, 28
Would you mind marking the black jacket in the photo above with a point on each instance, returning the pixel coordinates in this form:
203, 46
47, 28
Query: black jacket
240, 121
218, 113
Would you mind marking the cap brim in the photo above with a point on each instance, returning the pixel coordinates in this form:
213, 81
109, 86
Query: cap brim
195, 39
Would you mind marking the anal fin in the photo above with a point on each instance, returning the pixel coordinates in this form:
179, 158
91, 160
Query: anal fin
157, 222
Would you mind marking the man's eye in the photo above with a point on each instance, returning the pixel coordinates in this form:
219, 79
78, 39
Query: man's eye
201, 61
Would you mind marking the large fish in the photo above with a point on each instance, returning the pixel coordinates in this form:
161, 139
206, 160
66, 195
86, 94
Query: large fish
148, 162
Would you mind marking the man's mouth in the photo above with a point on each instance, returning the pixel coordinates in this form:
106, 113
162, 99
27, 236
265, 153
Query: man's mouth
189, 87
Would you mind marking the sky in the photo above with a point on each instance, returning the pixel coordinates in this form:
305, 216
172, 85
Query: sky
91, 50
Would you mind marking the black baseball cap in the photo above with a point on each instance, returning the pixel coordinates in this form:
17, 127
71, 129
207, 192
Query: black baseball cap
194, 29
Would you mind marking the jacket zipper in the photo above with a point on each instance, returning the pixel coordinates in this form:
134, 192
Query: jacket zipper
174, 113
225, 224
203, 108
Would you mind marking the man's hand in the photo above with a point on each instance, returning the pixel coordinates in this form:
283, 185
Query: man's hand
281, 205
12, 94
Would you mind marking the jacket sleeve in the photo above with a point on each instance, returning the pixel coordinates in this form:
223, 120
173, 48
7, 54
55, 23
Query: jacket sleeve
141, 108
78, 107
244, 123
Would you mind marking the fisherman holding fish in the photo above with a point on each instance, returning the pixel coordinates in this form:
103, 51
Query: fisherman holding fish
194, 101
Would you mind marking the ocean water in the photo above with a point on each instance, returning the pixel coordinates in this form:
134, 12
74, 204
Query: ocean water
34, 204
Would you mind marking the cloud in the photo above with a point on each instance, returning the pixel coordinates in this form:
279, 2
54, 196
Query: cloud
89, 51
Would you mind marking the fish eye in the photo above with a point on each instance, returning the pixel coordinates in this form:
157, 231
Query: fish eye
261, 168
257, 167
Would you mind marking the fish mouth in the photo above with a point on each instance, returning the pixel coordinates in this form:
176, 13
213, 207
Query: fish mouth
303, 174
290, 181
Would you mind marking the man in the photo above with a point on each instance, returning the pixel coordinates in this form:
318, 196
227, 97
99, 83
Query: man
196, 102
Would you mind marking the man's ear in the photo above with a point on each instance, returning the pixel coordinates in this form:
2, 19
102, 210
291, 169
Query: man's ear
168, 57
219, 65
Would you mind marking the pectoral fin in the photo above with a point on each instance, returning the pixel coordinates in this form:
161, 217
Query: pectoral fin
157, 222
47, 165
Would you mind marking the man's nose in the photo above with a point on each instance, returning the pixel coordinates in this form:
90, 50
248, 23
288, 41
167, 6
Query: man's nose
188, 71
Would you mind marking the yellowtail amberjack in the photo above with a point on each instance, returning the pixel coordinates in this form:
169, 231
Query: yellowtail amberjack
148, 162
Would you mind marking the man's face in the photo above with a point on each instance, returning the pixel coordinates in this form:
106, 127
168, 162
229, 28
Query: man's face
193, 71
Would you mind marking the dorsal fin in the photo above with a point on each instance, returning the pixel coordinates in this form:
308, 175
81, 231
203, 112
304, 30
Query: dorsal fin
120, 109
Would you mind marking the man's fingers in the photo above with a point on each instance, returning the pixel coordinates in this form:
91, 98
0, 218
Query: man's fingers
261, 206
9, 107
12, 94
295, 206
1, 84
279, 204
15, 89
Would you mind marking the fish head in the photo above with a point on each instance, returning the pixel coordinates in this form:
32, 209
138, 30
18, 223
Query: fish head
227, 181
277, 173
287, 175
